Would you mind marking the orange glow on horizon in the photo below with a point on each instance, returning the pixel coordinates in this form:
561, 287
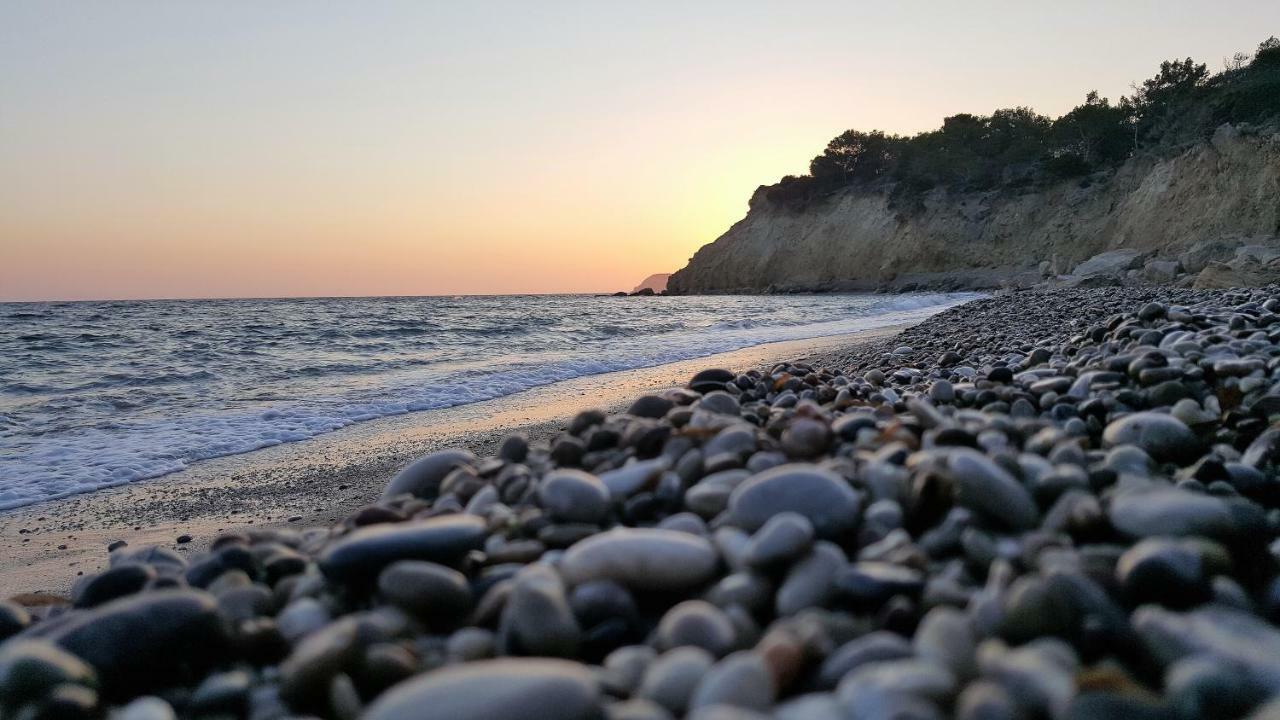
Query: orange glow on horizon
184, 150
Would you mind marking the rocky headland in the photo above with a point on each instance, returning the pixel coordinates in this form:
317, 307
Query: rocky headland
1045, 504
1174, 184
1207, 216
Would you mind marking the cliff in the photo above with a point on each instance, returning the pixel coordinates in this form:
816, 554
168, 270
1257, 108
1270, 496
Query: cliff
1184, 209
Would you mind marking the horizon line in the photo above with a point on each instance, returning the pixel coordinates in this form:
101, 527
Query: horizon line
316, 297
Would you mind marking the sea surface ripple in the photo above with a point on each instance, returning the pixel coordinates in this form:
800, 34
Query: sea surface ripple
95, 394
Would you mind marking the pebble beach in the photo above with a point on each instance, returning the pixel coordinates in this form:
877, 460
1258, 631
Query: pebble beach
1041, 504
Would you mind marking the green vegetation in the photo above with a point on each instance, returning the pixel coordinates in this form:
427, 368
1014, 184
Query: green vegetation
1017, 147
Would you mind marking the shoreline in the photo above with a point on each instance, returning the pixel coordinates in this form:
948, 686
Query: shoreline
985, 490
317, 481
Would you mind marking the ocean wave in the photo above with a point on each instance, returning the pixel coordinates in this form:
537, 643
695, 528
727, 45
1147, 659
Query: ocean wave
744, 324
303, 377
26, 388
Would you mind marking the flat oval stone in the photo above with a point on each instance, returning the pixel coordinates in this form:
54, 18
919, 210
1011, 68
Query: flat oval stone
805, 438
810, 581
986, 700
719, 402
642, 559
711, 495
672, 679
514, 448
537, 619
875, 582
685, 522
1164, 571
784, 537
630, 479
148, 707
741, 680
878, 646
625, 667
697, 623
360, 555
1230, 638
1263, 451
305, 675
531, 689
30, 669
1170, 512
942, 391
830, 505
750, 591
426, 589
849, 425
1163, 437
113, 583
574, 496
163, 560
736, 441
423, 476
224, 692
945, 636
13, 619
875, 684
710, 379
145, 640
1034, 607
1201, 687
650, 406
603, 603
810, 706
637, 709
245, 603
302, 617
986, 487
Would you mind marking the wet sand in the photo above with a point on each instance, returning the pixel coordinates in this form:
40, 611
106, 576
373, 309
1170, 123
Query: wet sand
45, 546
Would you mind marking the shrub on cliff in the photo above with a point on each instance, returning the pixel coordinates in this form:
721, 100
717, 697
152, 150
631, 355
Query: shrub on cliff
1091, 135
1251, 94
1159, 102
854, 155
1017, 147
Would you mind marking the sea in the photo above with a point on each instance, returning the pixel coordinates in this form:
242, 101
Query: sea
96, 394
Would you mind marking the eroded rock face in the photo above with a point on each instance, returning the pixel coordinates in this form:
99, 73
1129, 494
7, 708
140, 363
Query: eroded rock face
1196, 207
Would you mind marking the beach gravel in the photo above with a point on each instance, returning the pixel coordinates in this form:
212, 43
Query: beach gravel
1050, 504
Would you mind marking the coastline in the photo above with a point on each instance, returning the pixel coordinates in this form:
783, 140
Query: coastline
314, 482
989, 452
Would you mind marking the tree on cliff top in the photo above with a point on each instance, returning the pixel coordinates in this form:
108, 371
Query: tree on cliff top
854, 155
1015, 147
1091, 135
1157, 101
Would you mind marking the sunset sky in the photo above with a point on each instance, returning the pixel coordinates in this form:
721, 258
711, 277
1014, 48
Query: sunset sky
245, 148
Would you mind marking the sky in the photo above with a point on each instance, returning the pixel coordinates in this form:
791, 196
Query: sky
238, 148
